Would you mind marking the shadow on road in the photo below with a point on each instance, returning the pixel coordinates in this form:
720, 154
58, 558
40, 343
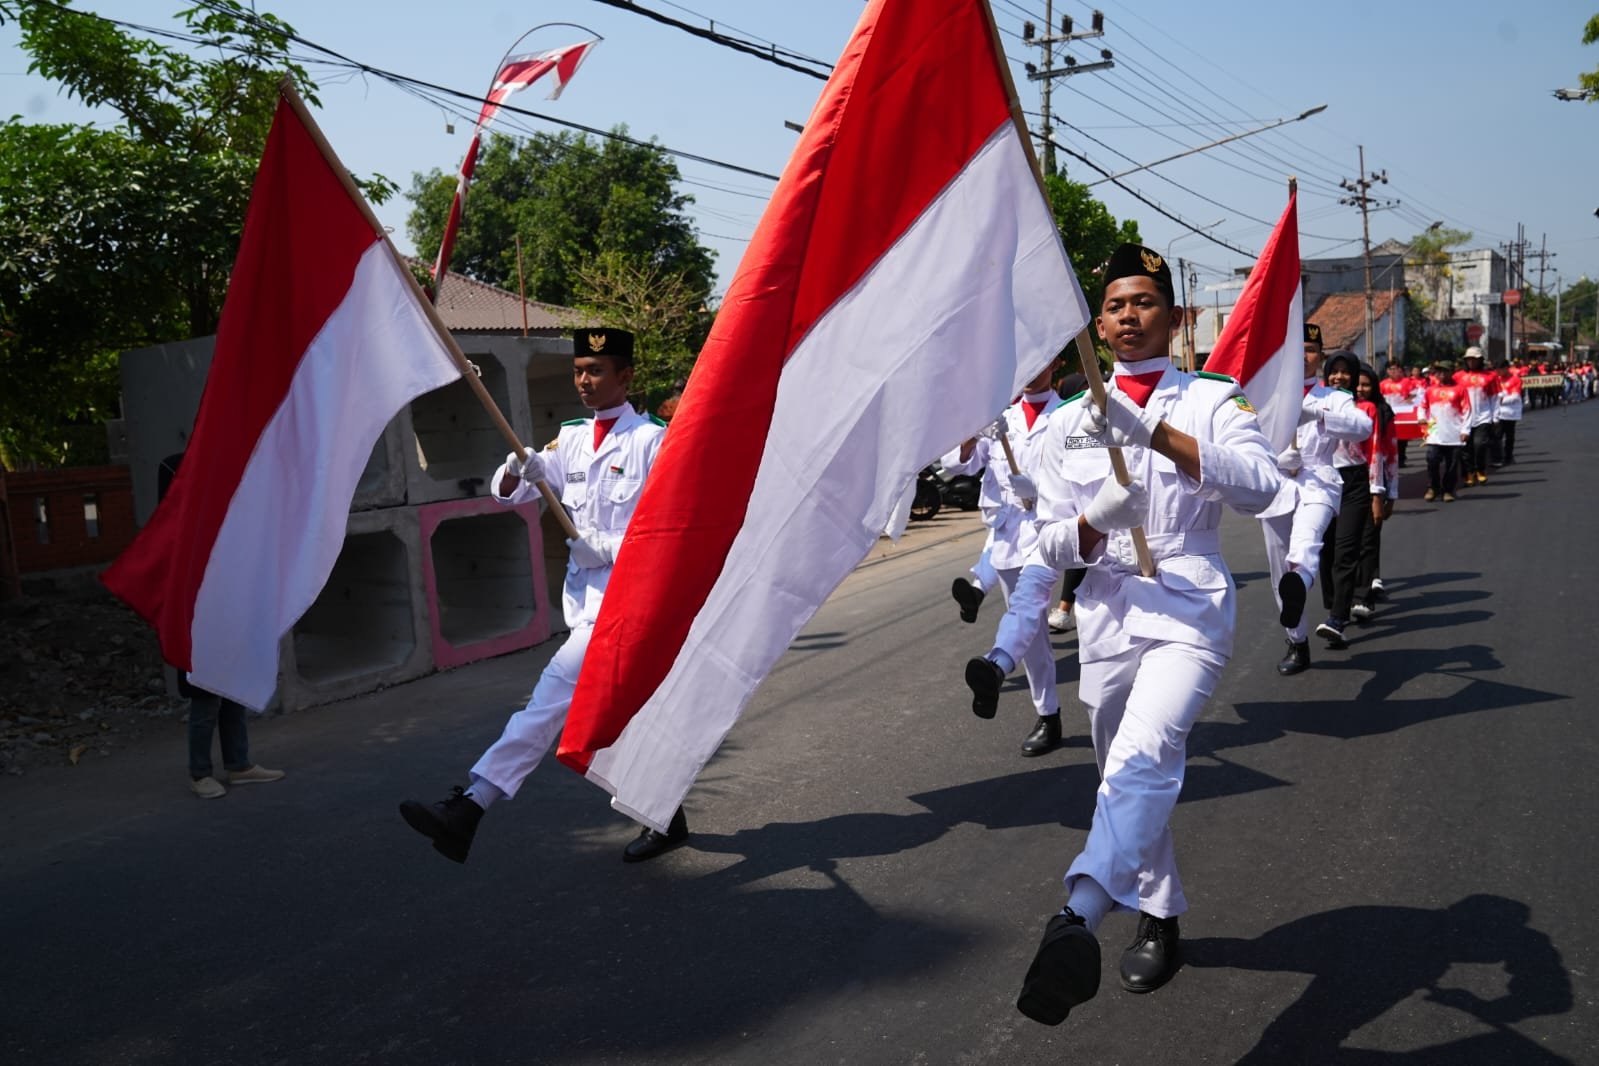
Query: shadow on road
1367, 961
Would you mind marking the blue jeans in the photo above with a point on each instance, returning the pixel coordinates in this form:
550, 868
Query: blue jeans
208, 714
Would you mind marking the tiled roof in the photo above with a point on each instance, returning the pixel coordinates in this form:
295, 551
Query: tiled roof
469, 306
1342, 315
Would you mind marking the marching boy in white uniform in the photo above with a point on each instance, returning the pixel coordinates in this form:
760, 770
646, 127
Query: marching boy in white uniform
1152, 649
597, 466
1297, 519
1007, 505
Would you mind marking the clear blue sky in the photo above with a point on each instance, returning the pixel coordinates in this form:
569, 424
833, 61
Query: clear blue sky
1453, 99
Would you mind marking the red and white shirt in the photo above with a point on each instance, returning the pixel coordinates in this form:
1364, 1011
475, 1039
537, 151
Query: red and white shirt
1448, 410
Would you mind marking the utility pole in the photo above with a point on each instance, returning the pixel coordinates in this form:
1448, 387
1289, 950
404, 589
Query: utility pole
1360, 197
1050, 71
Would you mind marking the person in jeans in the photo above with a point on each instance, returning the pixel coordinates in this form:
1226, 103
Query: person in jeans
1382, 454
212, 715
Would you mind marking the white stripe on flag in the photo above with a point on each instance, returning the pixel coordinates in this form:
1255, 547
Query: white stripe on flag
285, 524
969, 304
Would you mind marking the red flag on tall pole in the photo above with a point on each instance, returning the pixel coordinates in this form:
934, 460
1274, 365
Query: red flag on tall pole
516, 73
1262, 347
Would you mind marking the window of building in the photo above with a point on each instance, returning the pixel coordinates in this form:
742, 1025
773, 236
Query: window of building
91, 514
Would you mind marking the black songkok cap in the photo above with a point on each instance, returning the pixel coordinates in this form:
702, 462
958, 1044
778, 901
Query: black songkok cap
1136, 261
1312, 333
599, 340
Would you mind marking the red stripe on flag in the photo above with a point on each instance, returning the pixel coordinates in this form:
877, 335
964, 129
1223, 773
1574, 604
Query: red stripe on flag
915, 95
286, 282
1258, 327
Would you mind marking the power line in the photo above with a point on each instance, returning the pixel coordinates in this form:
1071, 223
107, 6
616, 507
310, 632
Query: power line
736, 44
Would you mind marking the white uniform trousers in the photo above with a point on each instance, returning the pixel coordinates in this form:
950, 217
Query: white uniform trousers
1036, 657
1293, 540
1141, 705
982, 571
531, 731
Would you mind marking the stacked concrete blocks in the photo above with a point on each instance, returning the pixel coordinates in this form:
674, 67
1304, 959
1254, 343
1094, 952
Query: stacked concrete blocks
483, 569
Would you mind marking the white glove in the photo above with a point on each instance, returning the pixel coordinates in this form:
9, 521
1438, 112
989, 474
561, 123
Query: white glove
1117, 506
1289, 461
1123, 424
1024, 489
591, 552
528, 469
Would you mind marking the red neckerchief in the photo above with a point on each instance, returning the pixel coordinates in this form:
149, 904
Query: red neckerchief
1031, 410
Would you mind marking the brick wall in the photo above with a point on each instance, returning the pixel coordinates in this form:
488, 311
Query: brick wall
77, 516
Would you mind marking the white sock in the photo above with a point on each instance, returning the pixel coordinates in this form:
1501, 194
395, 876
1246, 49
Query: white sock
1306, 578
1090, 902
1001, 660
483, 792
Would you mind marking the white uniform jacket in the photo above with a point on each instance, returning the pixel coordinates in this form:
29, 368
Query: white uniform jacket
600, 489
1014, 531
1190, 600
1326, 417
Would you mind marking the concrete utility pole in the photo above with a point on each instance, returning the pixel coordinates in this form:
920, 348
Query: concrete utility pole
1050, 71
1360, 197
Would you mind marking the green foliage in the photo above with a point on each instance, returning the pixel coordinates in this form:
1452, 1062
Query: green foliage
602, 229
1577, 304
1428, 259
1590, 80
1090, 233
572, 199
115, 238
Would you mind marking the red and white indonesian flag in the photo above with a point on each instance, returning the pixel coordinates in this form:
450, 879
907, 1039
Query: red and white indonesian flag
905, 282
323, 339
1263, 343
515, 74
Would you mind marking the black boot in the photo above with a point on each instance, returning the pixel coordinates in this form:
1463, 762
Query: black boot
451, 823
1297, 661
1064, 973
1044, 737
1153, 956
649, 843
969, 596
1291, 590
983, 677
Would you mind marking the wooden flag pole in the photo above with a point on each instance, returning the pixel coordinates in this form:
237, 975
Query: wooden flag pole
1085, 343
468, 371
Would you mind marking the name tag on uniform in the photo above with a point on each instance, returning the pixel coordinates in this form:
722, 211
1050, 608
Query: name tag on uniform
1085, 441
576, 477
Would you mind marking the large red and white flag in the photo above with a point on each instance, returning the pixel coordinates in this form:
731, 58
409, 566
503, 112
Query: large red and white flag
323, 339
515, 74
1263, 344
904, 283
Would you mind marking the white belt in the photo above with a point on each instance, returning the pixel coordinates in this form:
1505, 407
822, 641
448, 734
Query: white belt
1119, 546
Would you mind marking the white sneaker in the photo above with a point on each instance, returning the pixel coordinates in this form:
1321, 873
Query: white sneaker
1360, 612
1060, 621
1377, 585
208, 788
255, 775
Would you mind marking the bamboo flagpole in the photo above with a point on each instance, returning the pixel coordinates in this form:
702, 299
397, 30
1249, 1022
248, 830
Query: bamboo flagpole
1084, 342
468, 371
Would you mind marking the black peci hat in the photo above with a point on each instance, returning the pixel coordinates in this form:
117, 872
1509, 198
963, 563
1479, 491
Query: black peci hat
1136, 261
600, 340
1312, 333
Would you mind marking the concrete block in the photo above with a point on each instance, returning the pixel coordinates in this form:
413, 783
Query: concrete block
484, 574
368, 627
161, 389
455, 445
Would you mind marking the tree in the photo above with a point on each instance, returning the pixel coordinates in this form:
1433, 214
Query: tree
1590, 81
1428, 256
117, 238
666, 315
1090, 233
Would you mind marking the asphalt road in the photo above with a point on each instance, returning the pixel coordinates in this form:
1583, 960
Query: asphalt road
1389, 858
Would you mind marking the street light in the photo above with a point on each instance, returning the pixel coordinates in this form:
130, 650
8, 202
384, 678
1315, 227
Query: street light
1182, 279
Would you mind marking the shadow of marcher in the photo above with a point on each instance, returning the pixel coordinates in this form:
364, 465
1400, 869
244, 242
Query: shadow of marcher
1365, 961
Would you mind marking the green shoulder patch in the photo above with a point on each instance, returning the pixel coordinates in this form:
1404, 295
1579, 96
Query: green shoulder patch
575, 422
657, 421
1243, 404
1074, 397
1215, 377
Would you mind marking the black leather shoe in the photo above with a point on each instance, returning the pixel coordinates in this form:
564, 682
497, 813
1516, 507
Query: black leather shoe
1064, 973
451, 823
969, 596
983, 677
1044, 737
1153, 956
649, 843
1291, 590
1297, 661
